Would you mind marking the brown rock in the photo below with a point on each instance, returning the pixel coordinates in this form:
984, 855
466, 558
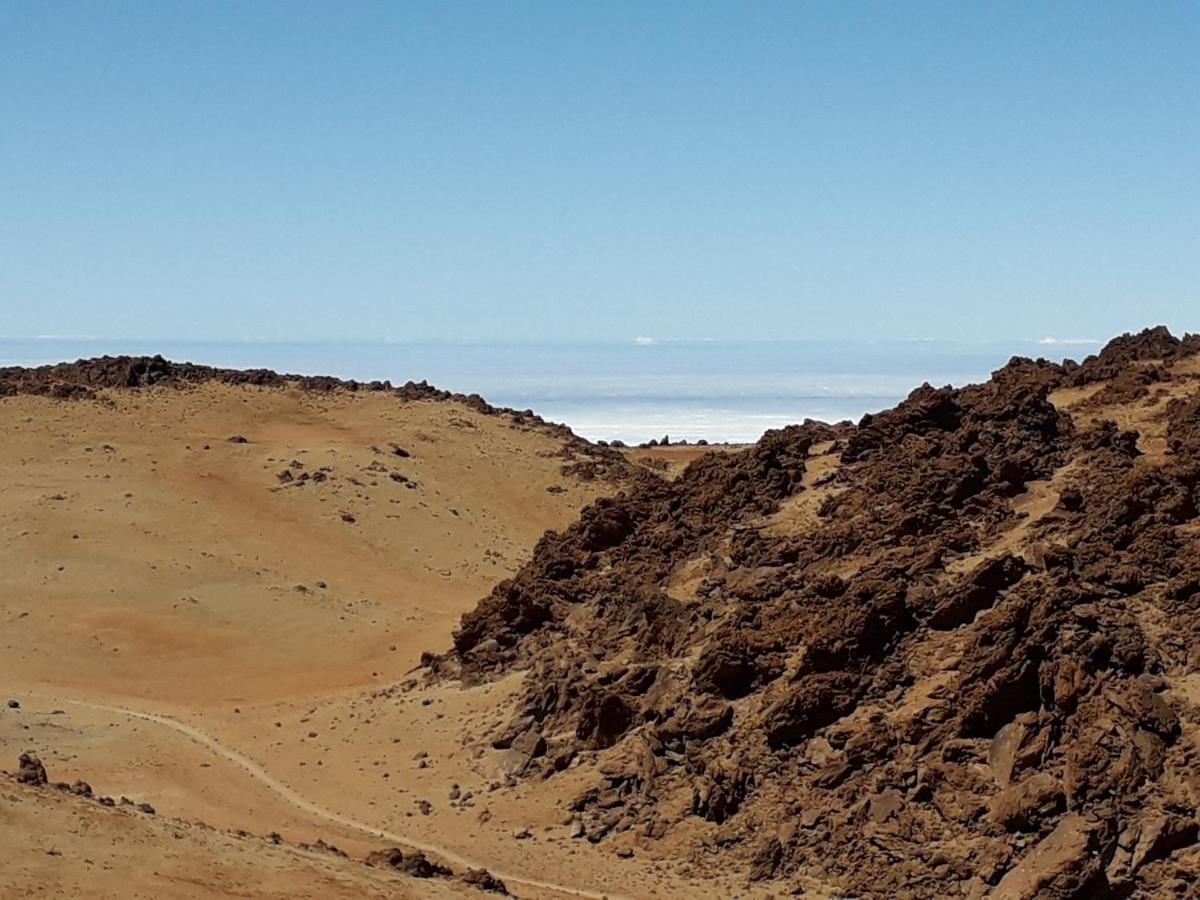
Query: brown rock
1002, 755
483, 880
1023, 806
31, 771
1067, 863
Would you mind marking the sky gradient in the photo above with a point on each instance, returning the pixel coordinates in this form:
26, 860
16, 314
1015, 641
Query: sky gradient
512, 170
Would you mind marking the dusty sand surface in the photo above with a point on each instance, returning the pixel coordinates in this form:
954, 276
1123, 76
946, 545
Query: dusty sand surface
57, 845
170, 564
212, 594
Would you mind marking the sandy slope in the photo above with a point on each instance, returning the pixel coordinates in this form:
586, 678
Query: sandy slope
168, 563
185, 624
153, 564
57, 845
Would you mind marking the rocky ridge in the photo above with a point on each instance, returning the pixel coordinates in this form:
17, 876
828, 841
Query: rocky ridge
949, 651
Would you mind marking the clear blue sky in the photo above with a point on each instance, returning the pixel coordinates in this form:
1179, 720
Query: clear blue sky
502, 169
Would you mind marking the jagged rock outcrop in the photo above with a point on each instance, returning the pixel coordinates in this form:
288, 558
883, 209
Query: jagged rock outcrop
960, 676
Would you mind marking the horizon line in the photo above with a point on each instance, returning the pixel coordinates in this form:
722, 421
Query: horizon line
640, 341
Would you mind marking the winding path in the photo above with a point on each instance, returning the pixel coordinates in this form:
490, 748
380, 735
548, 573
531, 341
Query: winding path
300, 802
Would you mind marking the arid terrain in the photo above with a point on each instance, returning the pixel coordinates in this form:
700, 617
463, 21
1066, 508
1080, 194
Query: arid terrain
287, 626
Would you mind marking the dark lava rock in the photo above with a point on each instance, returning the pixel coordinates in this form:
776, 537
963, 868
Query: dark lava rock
483, 880
917, 690
31, 771
413, 863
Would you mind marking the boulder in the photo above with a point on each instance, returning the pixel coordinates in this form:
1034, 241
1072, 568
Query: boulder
1024, 806
1068, 864
31, 771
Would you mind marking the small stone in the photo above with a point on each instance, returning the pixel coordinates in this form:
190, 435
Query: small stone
31, 771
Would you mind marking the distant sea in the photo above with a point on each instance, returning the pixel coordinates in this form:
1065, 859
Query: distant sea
633, 391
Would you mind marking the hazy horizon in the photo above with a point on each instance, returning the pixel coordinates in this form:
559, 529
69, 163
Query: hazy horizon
638, 340
719, 390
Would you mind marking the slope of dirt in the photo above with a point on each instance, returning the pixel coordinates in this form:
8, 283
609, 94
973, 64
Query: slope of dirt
968, 667
254, 558
66, 842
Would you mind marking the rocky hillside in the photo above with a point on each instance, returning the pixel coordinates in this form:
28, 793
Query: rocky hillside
950, 651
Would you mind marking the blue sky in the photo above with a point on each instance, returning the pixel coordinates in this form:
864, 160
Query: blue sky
598, 169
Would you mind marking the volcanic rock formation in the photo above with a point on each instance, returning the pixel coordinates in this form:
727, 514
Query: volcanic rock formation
951, 651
